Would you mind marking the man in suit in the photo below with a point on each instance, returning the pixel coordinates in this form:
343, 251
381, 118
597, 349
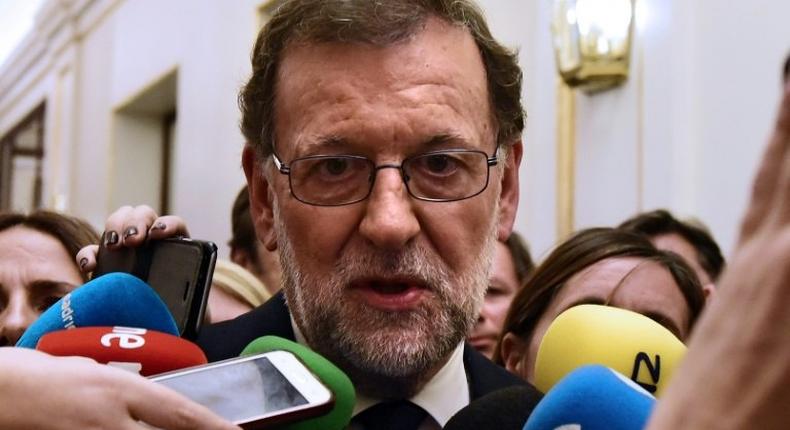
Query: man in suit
382, 155
383, 167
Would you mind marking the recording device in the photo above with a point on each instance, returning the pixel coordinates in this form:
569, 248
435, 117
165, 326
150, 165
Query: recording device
505, 409
256, 391
338, 383
593, 398
178, 269
141, 351
630, 343
113, 299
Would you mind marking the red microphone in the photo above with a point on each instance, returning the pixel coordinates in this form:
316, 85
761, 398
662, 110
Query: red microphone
142, 351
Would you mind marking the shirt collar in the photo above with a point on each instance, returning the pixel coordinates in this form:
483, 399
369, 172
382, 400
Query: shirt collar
444, 394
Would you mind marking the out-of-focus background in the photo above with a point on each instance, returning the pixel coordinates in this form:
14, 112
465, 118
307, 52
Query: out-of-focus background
112, 102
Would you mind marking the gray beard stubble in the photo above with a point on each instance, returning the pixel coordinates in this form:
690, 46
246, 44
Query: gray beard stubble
386, 354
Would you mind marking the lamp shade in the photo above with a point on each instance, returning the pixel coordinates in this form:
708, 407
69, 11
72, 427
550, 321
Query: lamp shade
592, 41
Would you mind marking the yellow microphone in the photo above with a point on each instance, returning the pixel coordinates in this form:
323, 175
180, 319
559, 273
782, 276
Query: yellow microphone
630, 343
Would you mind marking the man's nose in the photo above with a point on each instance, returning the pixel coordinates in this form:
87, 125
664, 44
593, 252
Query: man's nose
390, 221
15, 319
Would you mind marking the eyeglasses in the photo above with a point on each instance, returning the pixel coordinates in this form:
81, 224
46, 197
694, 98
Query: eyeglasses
438, 176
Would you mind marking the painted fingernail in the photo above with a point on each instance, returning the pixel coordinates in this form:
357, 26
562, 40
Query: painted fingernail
110, 238
159, 226
83, 262
129, 232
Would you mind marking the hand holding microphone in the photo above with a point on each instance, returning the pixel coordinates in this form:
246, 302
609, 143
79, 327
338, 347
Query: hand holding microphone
85, 394
56, 393
274, 382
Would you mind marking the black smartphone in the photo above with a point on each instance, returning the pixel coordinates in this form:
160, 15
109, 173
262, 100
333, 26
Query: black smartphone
254, 392
178, 269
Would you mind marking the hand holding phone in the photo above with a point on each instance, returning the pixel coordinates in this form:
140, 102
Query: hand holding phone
178, 269
254, 391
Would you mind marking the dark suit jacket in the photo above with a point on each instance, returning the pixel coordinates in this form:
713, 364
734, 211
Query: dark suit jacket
228, 338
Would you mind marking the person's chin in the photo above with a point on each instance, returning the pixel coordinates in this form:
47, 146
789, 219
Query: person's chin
483, 344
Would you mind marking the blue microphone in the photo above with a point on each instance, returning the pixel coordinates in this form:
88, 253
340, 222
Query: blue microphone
115, 299
593, 397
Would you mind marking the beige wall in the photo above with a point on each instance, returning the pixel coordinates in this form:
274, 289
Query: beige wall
685, 131
111, 51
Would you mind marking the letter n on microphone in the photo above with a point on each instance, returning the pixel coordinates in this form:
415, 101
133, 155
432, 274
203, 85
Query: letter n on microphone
653, 369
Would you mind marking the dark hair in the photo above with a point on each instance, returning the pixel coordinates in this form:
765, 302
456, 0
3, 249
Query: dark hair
381, 23
519, 252
787, 69
243, 232
661, 221
582, 250
70, 231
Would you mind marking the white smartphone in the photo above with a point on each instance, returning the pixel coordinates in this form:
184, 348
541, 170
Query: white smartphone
254, 391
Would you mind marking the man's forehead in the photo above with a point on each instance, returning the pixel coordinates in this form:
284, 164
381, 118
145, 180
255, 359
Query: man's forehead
352, 88
440, 45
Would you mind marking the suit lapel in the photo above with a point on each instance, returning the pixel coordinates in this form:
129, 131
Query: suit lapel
228, 338
484, 376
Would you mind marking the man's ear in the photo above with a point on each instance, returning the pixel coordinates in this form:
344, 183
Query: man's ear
710, 292
261, 198
509, 193
513, 354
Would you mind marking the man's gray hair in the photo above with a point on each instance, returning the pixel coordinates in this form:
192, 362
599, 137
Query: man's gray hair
376, 22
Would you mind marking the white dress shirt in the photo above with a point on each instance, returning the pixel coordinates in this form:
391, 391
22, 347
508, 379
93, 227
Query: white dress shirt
441, 397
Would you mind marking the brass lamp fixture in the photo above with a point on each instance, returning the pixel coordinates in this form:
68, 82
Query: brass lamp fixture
592, 42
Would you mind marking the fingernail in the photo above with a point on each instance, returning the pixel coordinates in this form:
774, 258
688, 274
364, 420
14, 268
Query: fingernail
129, 232
83, 262
111, 238
159, 226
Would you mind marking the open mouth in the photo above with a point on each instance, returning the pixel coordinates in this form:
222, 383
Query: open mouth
389, 287
390, 294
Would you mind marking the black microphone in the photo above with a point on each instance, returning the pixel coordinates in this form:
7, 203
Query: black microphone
503, 409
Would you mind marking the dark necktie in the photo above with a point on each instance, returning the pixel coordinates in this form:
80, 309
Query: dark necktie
397, 415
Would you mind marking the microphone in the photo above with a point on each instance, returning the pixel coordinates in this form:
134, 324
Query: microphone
142, 351
504, 409
627, 342
338, 383
109, 300
593, 398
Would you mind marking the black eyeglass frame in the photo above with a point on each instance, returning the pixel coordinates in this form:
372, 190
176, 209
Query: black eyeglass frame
285, 169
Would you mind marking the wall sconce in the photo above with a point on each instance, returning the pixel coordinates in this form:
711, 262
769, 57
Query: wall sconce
592, 42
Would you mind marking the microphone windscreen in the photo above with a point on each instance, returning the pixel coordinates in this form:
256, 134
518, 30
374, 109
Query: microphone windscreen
593, 398
630, 343
109, 300
338, 383
146, 352
505, 409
